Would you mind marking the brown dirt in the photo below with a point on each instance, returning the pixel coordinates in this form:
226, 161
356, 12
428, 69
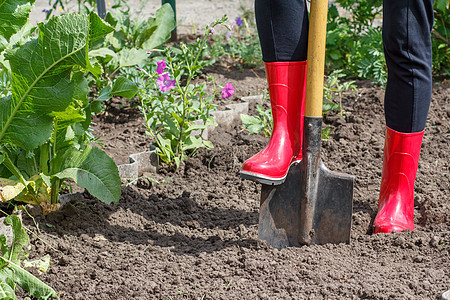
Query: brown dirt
194, 235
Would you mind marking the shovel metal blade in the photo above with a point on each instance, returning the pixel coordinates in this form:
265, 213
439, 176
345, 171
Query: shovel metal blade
313, 206
326, 205
279, 214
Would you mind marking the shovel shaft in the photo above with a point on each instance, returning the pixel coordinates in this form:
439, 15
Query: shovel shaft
101, 8
316, 58
314, 204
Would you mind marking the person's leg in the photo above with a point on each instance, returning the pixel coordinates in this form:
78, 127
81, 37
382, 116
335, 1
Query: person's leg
407, 28
283, 32
282, 29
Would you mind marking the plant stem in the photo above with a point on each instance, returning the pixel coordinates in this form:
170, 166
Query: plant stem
44, 158
30, 231
13, 169
55, 126
54, 191
184, 99
150, 130
184, 91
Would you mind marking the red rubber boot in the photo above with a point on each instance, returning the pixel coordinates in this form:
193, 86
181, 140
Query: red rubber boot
287, 81
400, 161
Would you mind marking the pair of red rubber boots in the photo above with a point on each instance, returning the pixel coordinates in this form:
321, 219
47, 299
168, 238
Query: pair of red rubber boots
287, 82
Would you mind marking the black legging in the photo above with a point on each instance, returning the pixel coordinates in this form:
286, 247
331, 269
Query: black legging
283, 32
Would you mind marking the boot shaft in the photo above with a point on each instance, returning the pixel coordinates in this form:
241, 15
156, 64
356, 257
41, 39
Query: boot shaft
400, 162
401, 155
287, 83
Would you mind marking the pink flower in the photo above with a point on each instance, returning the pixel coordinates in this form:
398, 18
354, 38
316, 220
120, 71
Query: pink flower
212, 31
165, 83
232, 25
228, 35
227, 91
161, 66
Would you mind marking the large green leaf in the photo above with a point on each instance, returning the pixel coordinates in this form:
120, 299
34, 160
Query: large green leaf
131, 57
159, 28
93, 170
20, 240
13, 15
6, 292
252, 123
12, 273
27, 281
99, 28
124, 87
103, 52
41, 82
441, 5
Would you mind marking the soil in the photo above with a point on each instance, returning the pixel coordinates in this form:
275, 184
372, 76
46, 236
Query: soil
194, 235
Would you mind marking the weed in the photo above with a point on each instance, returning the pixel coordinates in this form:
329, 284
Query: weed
335, 87
261, 123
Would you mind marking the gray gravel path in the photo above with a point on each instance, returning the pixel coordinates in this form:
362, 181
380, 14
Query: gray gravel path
191, 15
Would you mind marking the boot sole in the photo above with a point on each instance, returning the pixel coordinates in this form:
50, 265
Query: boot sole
260, 178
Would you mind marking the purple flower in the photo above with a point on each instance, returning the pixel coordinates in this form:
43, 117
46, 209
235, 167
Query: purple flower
165, 83
161, 66
227, 91
228, 35
239, 21
47, 11
212, 31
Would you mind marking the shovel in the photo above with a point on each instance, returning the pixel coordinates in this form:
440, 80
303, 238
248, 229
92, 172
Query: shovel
314, 205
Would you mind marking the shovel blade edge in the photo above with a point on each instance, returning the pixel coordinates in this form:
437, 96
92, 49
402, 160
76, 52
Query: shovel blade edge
332, 203
294, 210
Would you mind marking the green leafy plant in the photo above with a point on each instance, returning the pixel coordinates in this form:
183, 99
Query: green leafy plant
189, 51
339, 42
370, 62
5, 84
13, 263
13, 16
363, 13
357, 50
334, 87
140, 33
354, 44
326, 132
441, 37
44, 121
241, 43
127, 46
261, 123
177, 111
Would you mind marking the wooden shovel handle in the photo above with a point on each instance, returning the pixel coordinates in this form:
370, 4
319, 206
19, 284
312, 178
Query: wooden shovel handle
316, 58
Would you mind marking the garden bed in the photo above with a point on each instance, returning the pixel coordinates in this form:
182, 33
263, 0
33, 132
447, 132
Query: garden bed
194, 235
